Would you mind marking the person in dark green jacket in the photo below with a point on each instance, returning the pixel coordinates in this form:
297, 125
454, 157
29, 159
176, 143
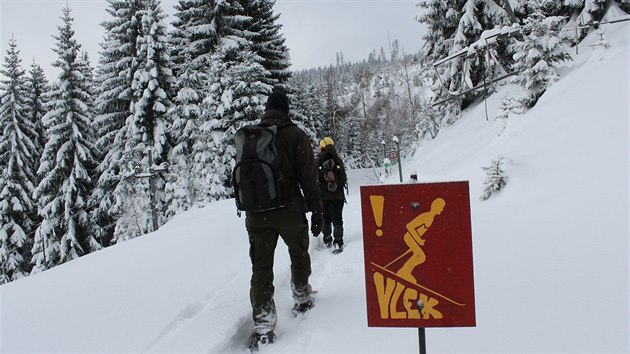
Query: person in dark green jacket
333, 195
289, 223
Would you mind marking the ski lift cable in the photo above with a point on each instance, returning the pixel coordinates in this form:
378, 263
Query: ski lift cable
493, 40
593, 24
482, 44
480, 86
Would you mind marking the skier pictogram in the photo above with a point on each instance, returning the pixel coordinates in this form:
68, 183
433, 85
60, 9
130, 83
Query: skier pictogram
416, 229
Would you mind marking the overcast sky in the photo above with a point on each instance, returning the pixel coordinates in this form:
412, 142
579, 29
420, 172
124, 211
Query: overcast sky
315, 30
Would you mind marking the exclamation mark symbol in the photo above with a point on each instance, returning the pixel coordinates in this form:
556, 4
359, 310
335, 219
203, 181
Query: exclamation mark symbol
377, 202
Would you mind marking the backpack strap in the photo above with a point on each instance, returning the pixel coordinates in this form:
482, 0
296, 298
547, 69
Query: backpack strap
279, 126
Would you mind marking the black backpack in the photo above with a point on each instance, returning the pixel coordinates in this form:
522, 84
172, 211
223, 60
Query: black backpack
257, 176
330, 174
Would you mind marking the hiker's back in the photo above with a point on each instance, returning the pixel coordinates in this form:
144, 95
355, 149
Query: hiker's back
331, 174
296, 165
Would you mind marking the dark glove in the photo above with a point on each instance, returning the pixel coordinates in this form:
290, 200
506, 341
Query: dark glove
317, 222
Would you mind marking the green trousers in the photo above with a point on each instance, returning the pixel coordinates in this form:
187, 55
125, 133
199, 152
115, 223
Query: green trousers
264, 229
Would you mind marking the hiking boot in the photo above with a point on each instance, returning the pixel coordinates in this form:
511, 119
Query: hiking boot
258, 338
328, 240
338, 248
301, 309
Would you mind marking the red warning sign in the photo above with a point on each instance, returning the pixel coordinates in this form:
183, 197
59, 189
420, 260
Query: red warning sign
418, 251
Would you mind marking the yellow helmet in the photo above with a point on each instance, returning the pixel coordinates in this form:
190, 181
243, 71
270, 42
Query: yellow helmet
325, 142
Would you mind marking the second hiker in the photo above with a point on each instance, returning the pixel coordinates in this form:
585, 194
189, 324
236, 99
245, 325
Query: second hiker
332, 180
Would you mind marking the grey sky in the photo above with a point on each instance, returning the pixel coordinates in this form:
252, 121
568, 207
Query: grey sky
315, 30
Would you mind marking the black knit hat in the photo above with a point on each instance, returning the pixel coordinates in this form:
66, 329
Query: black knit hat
278, 100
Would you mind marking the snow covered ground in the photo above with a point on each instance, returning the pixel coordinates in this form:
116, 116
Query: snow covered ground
550, 250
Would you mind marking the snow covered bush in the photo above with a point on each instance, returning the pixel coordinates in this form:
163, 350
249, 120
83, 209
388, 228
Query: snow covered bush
602, 40
509, 105
495, 178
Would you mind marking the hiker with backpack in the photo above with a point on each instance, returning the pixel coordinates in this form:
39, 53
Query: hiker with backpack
332, 180
274, 183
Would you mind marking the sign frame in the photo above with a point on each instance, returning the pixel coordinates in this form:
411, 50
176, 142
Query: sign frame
418, 251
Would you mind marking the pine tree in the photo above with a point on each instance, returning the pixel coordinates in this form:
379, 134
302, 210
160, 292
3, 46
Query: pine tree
536, 55
118, 62
38, 91
236, 100
65, 232
194, 39
467, 32
493, 14
441, 18
86, 69
593, 11
146, 141
235, 97
195, 35
306, 109
185, 115
17, 165
268, 41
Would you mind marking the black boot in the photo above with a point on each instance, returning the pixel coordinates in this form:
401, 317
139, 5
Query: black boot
327, 231
338, 241
328, 240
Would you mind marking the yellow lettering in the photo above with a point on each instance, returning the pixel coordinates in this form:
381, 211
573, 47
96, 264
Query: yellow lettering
410, 299
429, 307
390, 293
384, 292
398, 315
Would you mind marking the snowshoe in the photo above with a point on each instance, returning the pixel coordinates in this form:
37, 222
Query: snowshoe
256, 338
302, 309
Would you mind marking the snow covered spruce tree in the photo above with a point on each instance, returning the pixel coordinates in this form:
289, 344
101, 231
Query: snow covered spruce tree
18, 154
193, 42
536, 55
66, 230
459, 71
145, 131
268, 41
306, 109
268, 44
185, 116
442, 19
114, 75
237, 96
592, 11
38, 96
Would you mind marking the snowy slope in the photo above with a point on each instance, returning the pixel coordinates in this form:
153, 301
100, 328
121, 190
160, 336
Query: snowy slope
550, 251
